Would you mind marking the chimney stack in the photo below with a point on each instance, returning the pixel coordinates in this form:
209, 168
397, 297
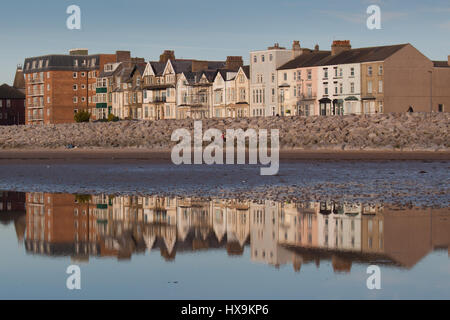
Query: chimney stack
296, 49
316, 47
234, 62
122, 56
339, 46
78, 52
276, 46
448, 61
167, 55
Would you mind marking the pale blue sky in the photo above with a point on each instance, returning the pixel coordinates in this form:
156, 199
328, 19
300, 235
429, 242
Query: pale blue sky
213, 29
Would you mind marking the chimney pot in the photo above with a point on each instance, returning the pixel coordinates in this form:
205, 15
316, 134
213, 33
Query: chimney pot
339, 46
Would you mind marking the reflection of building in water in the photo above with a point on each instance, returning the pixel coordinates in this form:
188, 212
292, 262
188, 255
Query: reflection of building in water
278, 233
12, 209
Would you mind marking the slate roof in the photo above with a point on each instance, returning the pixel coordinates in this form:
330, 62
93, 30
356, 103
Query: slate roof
8, 92
305, 60
441, 64
359, 55
158, 67
246, 70
61, 62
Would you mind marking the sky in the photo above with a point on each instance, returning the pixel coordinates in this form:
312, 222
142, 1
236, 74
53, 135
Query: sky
214, 29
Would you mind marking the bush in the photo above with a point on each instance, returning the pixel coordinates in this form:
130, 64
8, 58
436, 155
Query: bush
112, 118
82, 116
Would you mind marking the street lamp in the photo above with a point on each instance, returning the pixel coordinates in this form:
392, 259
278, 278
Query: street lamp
431, 90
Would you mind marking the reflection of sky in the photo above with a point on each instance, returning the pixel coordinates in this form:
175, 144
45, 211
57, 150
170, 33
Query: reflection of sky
200, 29
208, 274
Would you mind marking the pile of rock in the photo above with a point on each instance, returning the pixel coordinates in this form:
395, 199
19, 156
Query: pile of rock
407, 131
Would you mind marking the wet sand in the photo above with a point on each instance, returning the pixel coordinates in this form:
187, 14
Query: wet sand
163, 156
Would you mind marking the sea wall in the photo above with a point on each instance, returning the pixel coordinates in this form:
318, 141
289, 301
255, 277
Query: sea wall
413, 131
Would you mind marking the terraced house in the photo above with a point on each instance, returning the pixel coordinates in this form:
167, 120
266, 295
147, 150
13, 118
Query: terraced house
106, 84
384, 79
279, 81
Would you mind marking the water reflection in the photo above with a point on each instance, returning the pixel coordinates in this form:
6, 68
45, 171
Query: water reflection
276, 233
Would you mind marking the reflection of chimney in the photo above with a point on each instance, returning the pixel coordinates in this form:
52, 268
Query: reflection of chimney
339, 46
341, 265
296, 49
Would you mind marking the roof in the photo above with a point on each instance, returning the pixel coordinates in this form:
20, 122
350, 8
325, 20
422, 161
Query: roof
441, 64
358, 55
246, 70
158, 67
8, 92
305, 60
61, 62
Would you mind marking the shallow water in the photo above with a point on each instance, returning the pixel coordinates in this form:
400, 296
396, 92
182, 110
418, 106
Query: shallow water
156, 247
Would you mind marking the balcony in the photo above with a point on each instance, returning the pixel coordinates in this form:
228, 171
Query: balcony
36, 106
37, 93
158, 100
37, 80
302, 97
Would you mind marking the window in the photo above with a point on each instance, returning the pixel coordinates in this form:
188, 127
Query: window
380, 70
48, 99
325, 73
380, 86
440, 108
369, 71
75, 75
285, 76
341, 88
335, 72
352, 87
255, 59
270, 57
83, 86
309, 74
8, 103
48, 87
83, 99
262, 58
83, 74
369, 86
352, 72
326, 90
48, 73
75, 87
75, 99
273, 77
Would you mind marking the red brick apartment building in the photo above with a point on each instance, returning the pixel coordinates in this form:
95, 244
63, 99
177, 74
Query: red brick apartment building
58, 86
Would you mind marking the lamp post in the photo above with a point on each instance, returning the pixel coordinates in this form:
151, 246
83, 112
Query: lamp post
431, 90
